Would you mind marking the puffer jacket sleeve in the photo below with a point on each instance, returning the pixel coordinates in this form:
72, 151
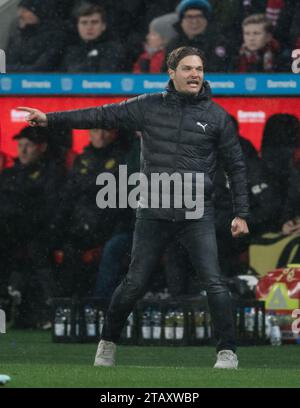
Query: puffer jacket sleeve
127, 115
232, 158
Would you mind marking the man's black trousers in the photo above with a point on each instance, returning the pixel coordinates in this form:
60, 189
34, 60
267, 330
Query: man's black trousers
150, 239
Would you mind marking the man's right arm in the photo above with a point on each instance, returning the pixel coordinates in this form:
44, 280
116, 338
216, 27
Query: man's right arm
127, 114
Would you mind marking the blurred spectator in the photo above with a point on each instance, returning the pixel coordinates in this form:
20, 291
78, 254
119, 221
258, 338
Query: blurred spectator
28, 198
5, 161
195, 29
132, 19
265, 211
95, 51
60, 146
295, 26
117, 249
280, 139
274, 9
259, 52
37, 43
287, 30
291, 214
152, 59
79, 224
228, 16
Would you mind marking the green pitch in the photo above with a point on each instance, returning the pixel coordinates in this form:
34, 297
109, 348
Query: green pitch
32, 360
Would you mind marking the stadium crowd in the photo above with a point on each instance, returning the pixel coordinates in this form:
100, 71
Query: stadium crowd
55, 241
136, 36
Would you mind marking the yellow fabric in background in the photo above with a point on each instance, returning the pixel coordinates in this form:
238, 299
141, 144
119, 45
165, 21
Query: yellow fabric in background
264, 256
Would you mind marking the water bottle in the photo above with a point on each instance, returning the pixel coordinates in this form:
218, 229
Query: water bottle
67, 321
275, 335
199, 324
129, 326
90, 321
249, 321
156, 324
146, 324
179, 324
208, 325
59, 324
260, 324
100, 320
77, 324
268, 324
169, 325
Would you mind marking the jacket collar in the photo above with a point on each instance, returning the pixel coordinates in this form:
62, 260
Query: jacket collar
204, 94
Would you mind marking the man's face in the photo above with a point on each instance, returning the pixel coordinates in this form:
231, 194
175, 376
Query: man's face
91, 27
26, 17
154, 40
255, 36
193, 23
29, 152
188, 76
101, 137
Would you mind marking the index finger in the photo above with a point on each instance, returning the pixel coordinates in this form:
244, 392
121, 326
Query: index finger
24, 108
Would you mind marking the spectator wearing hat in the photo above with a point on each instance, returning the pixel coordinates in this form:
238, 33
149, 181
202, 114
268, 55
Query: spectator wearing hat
152, 59
95, 50
28, 198
37, 43
196, 30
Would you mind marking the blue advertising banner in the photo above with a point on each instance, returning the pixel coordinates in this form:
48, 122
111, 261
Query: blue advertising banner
134, 84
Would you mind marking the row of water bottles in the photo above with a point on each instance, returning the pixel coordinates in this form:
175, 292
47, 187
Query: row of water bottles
94, 320
155, 324
252, 324
171, 324
88, 324
253, 317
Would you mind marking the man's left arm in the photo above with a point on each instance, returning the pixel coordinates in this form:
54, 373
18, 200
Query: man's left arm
232, 158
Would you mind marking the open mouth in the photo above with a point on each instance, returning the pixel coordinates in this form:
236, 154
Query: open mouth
193, 83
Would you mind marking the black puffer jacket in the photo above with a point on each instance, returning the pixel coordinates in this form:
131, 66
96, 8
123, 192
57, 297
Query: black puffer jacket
180, 134
37, 47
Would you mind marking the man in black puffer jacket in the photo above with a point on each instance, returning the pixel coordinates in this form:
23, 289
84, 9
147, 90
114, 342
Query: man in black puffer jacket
182, 132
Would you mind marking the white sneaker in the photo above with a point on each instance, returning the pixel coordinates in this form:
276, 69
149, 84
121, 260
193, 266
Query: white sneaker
105, 355
227, 359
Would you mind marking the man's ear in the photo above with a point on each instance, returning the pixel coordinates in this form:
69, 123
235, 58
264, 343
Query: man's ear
171, 72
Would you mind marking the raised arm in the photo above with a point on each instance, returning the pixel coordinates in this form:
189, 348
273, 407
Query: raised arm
127, 114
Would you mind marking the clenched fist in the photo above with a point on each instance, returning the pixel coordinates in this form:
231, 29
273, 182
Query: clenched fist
239, 227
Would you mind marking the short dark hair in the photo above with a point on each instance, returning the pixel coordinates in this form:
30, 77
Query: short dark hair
179, 53
87, 9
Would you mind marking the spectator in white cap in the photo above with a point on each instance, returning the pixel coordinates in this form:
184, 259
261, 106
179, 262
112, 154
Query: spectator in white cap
161, 31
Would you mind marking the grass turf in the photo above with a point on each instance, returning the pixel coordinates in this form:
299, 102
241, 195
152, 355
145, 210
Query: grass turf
32, 360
